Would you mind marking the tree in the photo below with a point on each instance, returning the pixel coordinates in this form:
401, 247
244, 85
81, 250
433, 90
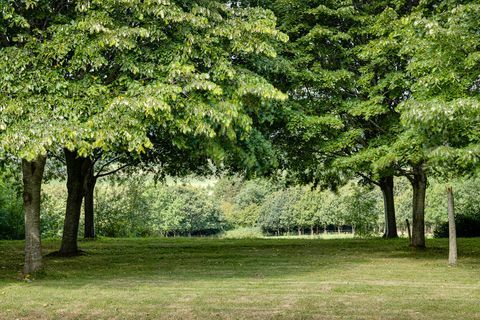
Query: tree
327, 123
278, 212
117, 72
445, 103
25, 116
307, 209
383, 84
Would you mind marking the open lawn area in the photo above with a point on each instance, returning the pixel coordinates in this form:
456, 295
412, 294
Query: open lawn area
201, 278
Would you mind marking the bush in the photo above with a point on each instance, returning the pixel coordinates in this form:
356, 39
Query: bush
279, 211
467, 227
240, 201
122, 209
243, 233
139, 208
186, 211
52, 212
11, 209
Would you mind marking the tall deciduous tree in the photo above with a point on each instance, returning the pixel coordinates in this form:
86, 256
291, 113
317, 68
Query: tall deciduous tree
326, 125
112, 73
384, 83
25, 116
444, 109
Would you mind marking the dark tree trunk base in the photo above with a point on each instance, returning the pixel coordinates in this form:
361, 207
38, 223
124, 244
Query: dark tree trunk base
77, 168
386, 185
58, 254
419, 185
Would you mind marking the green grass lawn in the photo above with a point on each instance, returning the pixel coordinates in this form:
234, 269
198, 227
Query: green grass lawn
245, 279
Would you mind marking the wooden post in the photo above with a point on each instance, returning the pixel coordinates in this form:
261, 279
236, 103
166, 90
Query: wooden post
409, 232
452, 234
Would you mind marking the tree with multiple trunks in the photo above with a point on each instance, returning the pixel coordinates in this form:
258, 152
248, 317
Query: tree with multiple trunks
108, 75
378, 151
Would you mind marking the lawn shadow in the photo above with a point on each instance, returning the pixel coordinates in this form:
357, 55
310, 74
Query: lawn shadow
110, 262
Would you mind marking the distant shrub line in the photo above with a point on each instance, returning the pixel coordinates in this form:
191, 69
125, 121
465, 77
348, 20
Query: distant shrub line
234, 208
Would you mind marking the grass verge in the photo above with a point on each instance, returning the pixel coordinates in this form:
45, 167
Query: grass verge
244, 279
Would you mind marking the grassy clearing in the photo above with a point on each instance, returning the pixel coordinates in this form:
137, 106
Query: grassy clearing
245, 279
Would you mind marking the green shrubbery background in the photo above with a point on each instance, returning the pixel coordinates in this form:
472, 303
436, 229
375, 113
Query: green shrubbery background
136, 206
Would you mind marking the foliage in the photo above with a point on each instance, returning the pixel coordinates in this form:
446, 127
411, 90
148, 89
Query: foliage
243, 233
52, 212
358, 209
299, 208
240, 200
122, 209
186, 210
135, 206
11, 209
108, 74
444, 104
278, 212
140, 208
467, 227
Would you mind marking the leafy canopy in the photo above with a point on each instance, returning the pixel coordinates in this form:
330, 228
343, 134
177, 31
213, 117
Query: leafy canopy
89, 75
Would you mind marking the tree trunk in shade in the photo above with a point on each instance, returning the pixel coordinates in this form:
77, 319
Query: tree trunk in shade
32, 183
77, 168
386, 185
419, 185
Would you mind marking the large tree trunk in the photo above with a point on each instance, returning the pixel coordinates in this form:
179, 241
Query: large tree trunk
386, 184
419, 185
77, 168
452, 233
89, 189
32, 184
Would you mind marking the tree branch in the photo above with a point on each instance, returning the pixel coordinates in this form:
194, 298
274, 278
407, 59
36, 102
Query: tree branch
111, 172
368, 178
106, 165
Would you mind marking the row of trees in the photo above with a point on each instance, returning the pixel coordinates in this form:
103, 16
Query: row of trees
276, 209
279, 210
375, 89
136, 206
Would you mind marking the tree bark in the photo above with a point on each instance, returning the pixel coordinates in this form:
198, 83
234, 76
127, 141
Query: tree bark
77, 168
409, 231
452, 233
419, 185
386, 185
89, 190
32, 183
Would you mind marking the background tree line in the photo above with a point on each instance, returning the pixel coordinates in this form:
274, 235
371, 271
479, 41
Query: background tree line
139, 207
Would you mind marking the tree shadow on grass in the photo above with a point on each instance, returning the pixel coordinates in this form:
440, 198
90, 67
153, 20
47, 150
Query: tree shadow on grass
110, 262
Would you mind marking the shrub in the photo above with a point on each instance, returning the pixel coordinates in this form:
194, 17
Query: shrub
467, 227
11, 209
52, 213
